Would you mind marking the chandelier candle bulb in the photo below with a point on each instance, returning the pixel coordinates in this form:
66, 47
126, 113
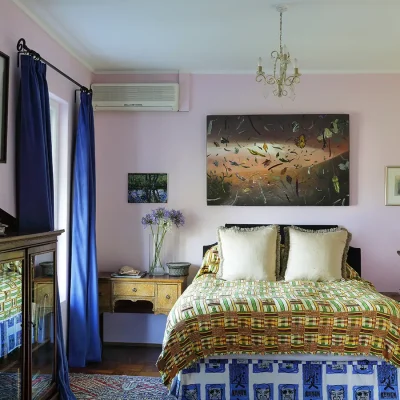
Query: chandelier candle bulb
259, 70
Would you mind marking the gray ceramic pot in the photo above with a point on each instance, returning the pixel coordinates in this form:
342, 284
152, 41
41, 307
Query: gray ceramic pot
178, 268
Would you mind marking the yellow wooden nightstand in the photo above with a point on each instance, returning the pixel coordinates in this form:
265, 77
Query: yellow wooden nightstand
161, 291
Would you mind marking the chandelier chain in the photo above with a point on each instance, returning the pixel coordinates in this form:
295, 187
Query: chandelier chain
280, 34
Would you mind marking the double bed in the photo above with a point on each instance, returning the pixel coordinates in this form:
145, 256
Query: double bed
282, 340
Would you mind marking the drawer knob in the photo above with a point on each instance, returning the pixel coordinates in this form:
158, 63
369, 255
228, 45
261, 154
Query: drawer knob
100, 294
167, 296
134, 290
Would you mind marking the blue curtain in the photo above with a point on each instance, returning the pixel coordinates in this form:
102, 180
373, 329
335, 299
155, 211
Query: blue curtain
35, 201
84, 336
62, 363
35, 195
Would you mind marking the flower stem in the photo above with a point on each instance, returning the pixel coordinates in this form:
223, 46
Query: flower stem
158, 240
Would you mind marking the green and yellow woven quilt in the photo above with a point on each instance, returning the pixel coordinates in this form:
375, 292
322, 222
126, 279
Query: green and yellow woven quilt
214, 317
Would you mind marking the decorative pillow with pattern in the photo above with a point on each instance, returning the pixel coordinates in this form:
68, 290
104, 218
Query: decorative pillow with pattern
351, 273
210, 263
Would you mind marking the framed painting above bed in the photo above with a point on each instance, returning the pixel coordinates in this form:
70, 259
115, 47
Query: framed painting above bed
278, 160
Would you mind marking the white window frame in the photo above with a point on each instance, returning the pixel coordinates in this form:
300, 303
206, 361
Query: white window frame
55, 134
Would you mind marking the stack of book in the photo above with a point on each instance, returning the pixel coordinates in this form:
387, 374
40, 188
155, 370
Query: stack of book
128, 272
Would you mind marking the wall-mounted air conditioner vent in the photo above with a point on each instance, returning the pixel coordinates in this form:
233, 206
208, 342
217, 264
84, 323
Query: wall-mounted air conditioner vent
136, 96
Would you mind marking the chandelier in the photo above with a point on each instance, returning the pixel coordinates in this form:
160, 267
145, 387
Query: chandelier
284, 83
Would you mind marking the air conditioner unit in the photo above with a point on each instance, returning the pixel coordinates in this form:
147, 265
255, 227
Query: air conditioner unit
135, 96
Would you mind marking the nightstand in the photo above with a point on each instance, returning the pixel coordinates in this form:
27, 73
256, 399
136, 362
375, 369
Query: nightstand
161, 291
392, 295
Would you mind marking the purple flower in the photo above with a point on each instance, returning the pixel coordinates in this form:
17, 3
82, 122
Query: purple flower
177, 218
147, 220
164, 218
160, 214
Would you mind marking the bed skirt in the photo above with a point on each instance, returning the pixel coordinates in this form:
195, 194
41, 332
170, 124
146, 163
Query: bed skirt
296, 379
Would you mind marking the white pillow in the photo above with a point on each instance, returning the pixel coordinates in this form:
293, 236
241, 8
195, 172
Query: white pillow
248, 253
316, 255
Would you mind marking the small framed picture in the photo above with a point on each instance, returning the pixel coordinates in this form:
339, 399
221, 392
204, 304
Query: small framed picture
147, 188
392, 186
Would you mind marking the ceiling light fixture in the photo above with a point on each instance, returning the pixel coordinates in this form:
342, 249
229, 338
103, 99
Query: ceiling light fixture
284, 84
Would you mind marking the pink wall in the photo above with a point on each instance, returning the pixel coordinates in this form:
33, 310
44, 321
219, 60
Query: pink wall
14, 24
175, 143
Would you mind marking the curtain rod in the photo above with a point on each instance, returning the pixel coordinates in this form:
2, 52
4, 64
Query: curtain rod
24, 49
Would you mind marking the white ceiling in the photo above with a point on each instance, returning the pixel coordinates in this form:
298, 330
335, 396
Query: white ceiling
215, 36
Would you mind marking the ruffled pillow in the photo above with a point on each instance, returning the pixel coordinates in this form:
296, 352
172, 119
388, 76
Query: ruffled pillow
315, 255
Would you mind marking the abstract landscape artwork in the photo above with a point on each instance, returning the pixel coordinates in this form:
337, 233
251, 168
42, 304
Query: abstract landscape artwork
147, 188
278, 160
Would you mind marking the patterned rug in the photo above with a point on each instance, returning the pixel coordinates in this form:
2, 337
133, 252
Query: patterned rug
117, 387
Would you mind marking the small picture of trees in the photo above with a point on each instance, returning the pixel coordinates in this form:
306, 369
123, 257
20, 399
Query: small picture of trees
147, 188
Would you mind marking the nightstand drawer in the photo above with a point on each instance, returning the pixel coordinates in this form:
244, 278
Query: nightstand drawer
167, 295
133, 289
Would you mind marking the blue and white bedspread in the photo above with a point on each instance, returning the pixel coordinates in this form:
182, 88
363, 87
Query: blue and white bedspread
295, 379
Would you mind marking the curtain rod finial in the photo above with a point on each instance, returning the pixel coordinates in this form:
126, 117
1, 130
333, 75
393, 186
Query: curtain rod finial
21, 45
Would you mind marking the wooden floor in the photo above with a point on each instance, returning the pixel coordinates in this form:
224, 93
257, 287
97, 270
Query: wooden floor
125, 360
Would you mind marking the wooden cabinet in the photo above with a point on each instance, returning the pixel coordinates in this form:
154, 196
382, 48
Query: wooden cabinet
161, 291
28, 317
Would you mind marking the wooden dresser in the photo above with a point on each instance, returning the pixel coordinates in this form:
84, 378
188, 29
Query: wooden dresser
161, 291
28, 317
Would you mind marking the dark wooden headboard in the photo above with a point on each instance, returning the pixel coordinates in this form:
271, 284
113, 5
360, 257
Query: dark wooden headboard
353, 256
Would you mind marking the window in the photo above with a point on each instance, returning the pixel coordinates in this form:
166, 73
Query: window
60, 139
55, 133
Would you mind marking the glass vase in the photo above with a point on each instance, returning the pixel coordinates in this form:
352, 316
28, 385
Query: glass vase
156, 256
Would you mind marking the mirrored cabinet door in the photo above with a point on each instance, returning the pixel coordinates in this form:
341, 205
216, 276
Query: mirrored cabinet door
43, 323
11, 317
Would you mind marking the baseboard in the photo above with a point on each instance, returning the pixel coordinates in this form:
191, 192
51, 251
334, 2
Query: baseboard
123, 344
